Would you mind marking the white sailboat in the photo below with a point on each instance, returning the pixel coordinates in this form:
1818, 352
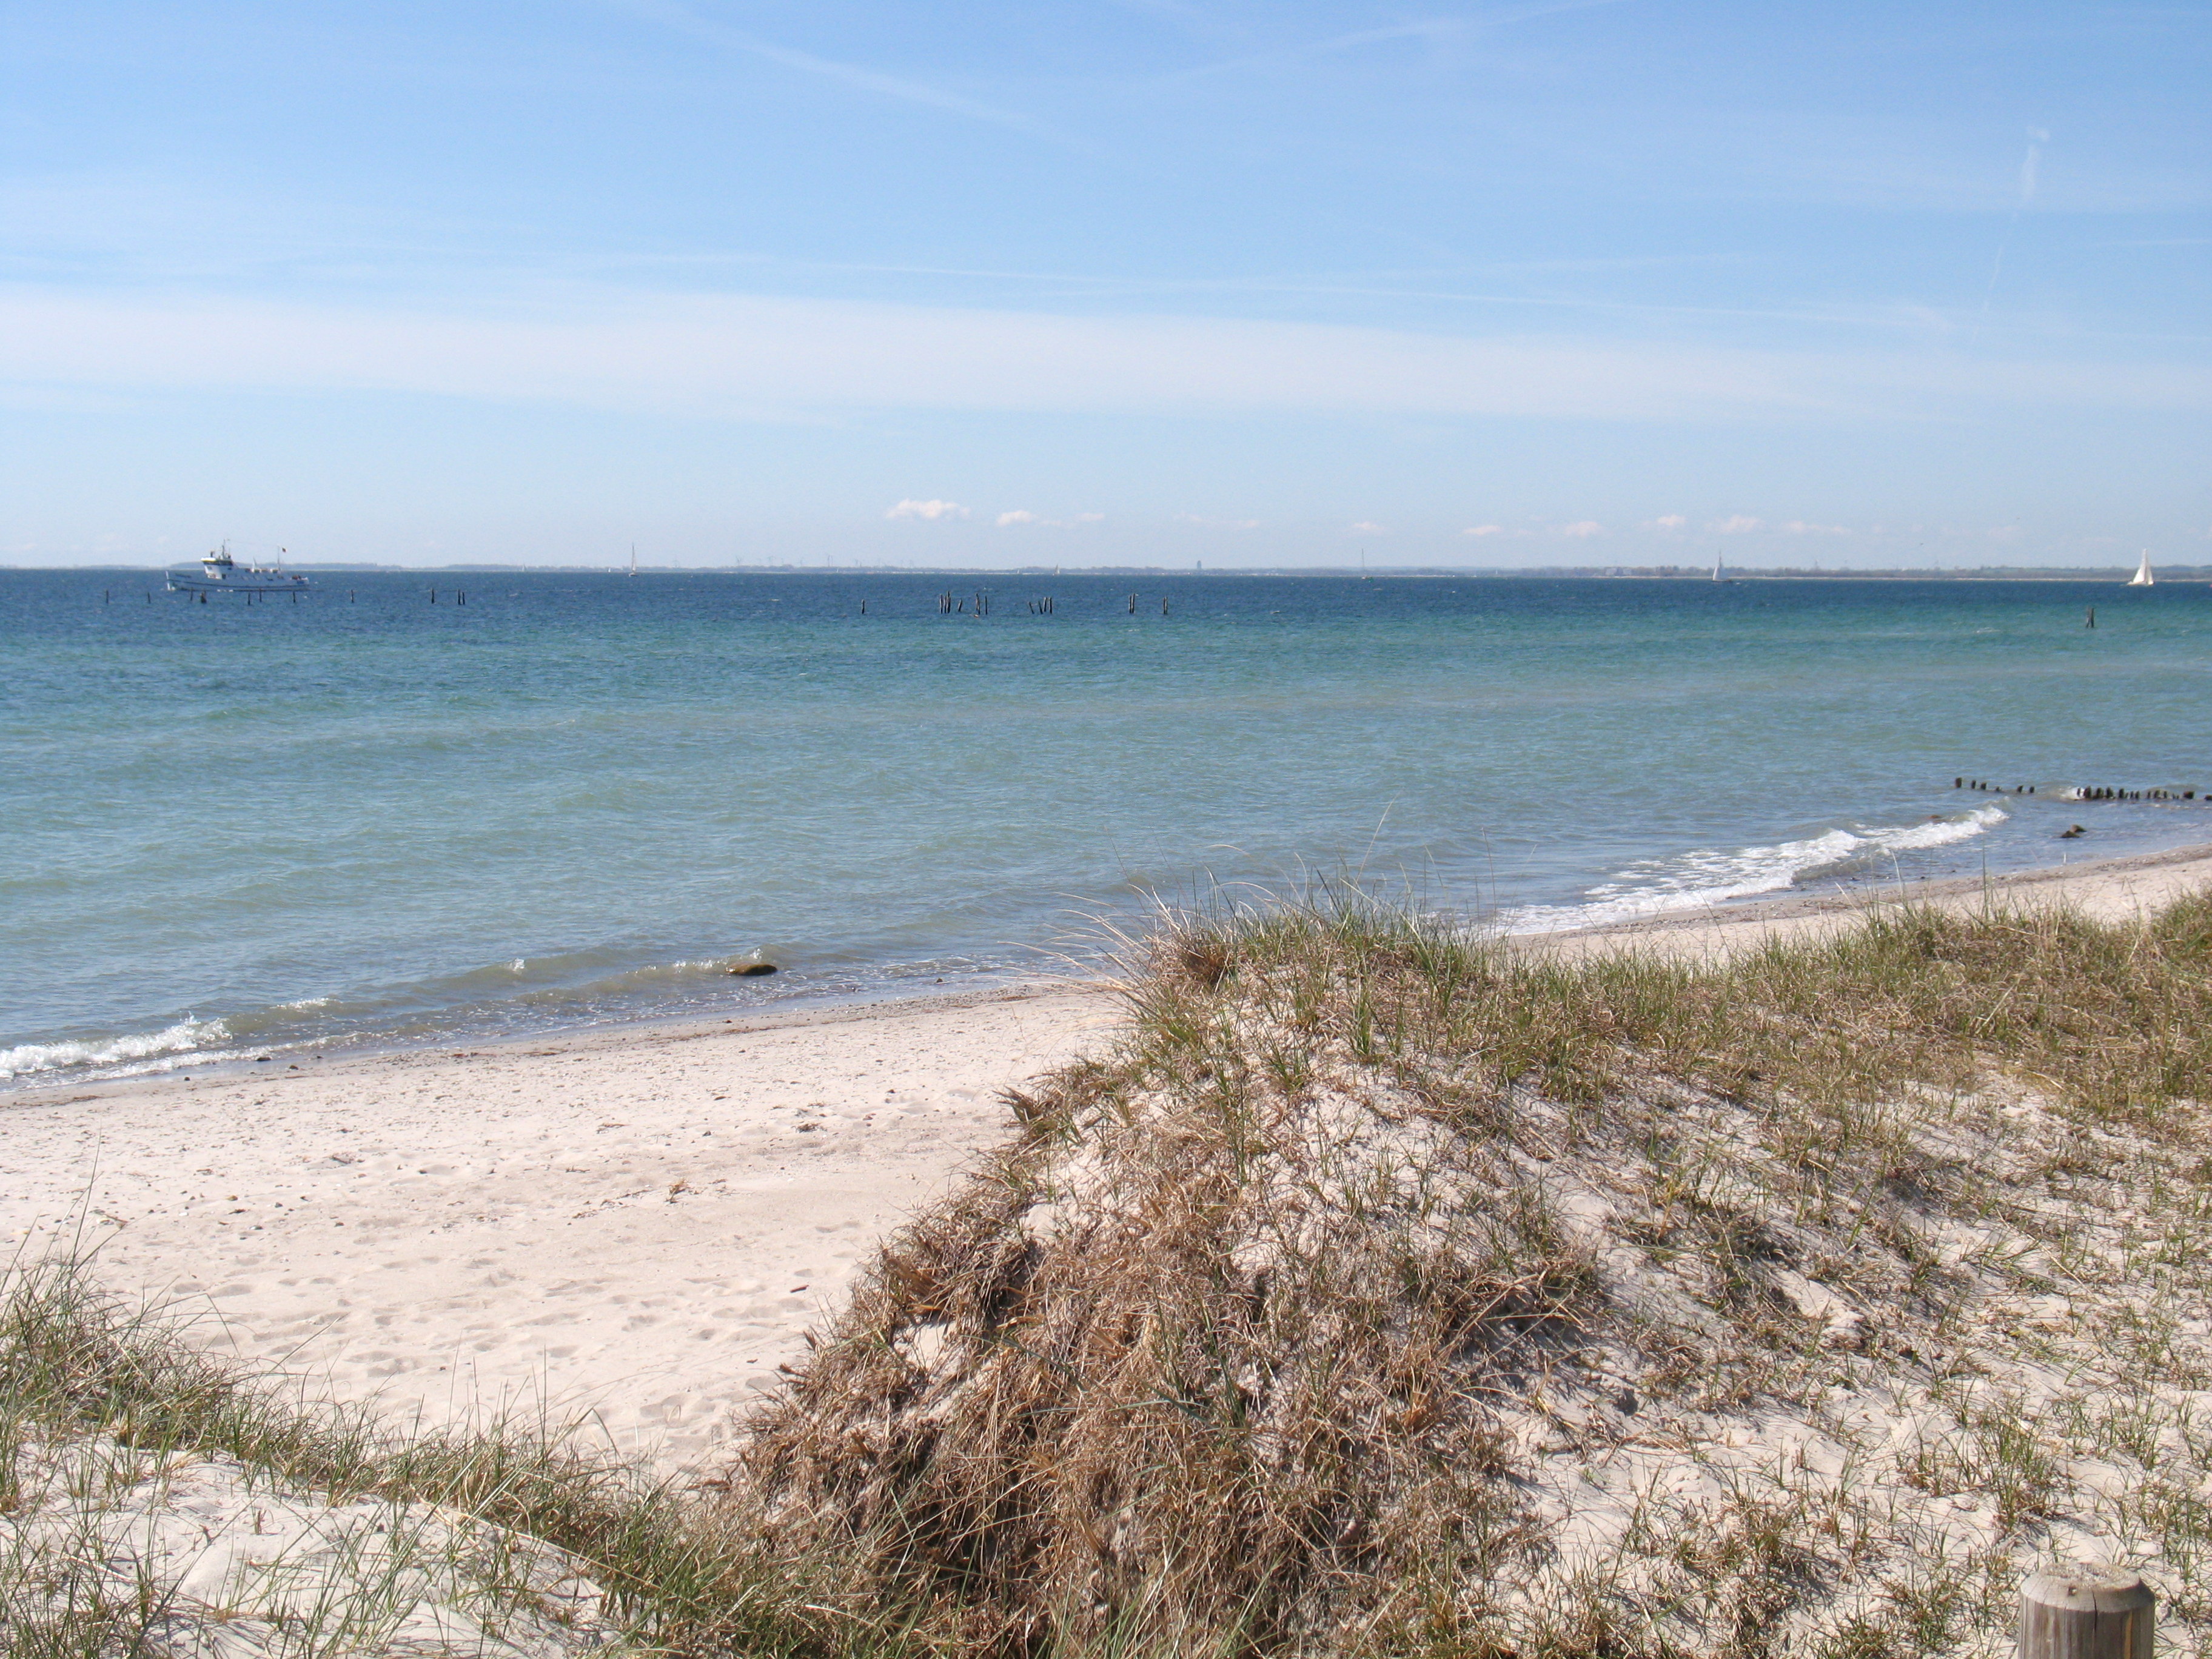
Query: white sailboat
2142, 576
632, 558
1716, 565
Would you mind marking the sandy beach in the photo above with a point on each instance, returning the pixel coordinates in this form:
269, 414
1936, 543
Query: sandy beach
642, 1225
637, 1225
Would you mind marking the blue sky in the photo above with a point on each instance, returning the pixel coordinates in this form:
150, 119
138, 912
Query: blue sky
1139, 281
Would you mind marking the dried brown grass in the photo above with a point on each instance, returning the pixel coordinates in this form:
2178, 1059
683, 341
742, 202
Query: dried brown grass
1294, 1323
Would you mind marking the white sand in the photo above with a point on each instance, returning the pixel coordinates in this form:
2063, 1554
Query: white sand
641, 1224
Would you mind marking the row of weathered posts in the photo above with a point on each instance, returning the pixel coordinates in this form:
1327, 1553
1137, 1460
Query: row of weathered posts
2080, 791
978, 604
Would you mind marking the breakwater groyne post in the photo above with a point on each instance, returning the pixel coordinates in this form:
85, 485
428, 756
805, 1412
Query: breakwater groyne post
2084, 791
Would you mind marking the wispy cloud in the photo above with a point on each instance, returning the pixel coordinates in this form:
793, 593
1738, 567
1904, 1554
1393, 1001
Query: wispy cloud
1021, 516
1204, 523
1366, 528
1582, 529
1668, 521
684, 21
1483, 530
2031, 163
1801, 527
2037, 138
1739, 524
1422, 28
931, 511
722, 356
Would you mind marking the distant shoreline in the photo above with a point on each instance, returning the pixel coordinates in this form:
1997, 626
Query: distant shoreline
2119, 574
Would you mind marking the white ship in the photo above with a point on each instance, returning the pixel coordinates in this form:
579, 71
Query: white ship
221, 574
2142, 576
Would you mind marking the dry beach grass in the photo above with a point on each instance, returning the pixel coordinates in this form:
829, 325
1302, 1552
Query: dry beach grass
1391, 1291
1384, 1290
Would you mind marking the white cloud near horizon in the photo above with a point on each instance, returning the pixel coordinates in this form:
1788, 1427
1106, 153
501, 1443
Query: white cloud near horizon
1364, 527
1483, 530
1670, 521
1739, 524
931, 512
1582, 529
740, 357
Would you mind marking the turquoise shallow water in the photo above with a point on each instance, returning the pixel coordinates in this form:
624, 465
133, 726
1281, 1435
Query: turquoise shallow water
367, 817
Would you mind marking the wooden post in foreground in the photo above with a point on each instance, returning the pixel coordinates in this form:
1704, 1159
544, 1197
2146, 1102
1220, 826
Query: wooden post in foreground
2098, 1612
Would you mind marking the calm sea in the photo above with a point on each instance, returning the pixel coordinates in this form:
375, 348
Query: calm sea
368, 817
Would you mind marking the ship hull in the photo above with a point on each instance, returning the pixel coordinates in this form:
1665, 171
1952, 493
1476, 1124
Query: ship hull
258, 582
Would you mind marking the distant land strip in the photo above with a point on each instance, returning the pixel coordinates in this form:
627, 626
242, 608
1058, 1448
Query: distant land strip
2176, 573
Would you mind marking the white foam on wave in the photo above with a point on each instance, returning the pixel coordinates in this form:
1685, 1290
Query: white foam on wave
1710, 876
187, 1034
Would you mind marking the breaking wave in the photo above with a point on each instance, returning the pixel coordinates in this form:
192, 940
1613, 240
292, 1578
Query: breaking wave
26, 1059
1689, 881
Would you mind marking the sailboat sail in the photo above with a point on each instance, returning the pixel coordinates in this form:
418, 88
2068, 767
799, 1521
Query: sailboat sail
1716, 567
2142, 576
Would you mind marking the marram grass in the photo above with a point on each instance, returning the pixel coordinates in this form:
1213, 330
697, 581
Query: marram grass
1390, 1290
